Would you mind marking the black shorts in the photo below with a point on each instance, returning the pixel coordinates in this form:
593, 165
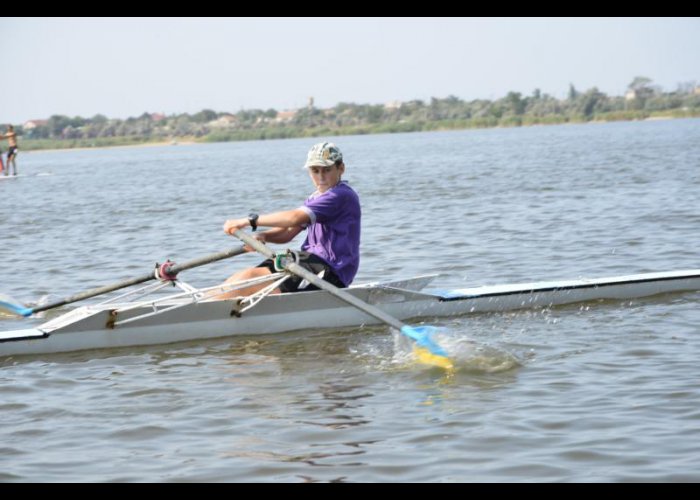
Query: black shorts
12, 151
309, 261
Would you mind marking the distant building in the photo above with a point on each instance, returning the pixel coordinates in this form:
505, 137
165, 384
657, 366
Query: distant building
32, 124
641, 93
697, 90
157, 117
285, 116
393, 105
224, 121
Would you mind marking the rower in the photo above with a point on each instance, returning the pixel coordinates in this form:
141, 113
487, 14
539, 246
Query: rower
331, 217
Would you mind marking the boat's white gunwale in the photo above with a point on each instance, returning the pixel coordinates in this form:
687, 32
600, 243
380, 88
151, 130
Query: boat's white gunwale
555, 286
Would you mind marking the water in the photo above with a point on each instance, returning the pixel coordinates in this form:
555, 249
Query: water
600, 391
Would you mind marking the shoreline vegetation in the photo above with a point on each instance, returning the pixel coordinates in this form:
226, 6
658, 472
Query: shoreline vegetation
641, 102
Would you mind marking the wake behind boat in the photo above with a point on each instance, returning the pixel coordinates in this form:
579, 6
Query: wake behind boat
133, 319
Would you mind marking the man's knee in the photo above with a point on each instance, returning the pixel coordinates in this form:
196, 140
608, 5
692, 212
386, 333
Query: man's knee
246, 274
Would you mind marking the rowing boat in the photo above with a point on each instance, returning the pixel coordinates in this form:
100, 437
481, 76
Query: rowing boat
147, 316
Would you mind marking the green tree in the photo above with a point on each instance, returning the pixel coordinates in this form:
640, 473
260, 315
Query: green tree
642, 90
204, 116
640, 83
56, 125
515, 103
589, 101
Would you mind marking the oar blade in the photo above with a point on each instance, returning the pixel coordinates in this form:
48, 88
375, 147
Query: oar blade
428, 358
426, 350
8, 305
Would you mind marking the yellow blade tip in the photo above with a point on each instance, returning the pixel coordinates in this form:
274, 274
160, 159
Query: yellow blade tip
428, 358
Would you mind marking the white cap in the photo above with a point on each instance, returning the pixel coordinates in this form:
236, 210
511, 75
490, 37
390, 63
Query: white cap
323, 154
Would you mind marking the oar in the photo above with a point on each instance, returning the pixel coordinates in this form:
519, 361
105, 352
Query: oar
169, 270
425, 349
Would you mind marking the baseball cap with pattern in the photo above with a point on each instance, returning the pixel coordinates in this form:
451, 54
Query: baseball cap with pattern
323, 154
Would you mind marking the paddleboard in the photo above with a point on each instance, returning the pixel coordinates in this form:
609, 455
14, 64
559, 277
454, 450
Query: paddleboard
40, 174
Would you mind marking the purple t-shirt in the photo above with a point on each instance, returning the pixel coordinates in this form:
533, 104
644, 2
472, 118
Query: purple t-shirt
334, 232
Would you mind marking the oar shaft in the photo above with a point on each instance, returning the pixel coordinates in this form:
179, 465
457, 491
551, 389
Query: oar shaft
338, 292
141, 279
92, 293
320, 283
425, 349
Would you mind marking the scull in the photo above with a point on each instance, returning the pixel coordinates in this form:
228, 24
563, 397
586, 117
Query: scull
147, 317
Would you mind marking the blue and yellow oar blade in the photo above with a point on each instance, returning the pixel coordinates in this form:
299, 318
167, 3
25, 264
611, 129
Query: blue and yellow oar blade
10, 306
426, 350
428, 358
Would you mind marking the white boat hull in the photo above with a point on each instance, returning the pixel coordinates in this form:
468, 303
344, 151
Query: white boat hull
91, 327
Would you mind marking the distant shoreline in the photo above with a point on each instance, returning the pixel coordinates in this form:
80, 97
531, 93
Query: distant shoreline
116, 146
303, 133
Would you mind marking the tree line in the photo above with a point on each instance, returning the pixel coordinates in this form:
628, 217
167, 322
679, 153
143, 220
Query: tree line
643, 100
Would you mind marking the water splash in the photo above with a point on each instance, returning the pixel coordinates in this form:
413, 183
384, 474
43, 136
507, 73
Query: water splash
466, 354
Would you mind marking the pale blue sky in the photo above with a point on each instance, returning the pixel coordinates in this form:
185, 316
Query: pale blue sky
124, 67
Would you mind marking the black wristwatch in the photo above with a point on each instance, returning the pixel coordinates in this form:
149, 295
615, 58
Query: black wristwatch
253, 219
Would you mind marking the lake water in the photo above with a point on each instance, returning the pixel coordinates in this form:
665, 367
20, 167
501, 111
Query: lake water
600, 391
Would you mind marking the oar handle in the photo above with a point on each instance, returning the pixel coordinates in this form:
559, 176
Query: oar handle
135, 281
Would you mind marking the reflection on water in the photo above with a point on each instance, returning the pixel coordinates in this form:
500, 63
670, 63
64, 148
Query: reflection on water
338, 400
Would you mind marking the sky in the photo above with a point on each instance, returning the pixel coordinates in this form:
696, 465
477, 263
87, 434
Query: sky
122, 67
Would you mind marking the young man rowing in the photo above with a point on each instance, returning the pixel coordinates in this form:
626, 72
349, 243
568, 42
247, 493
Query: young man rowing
331, 216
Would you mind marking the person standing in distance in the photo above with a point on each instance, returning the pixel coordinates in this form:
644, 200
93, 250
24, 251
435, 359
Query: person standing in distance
11, 137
